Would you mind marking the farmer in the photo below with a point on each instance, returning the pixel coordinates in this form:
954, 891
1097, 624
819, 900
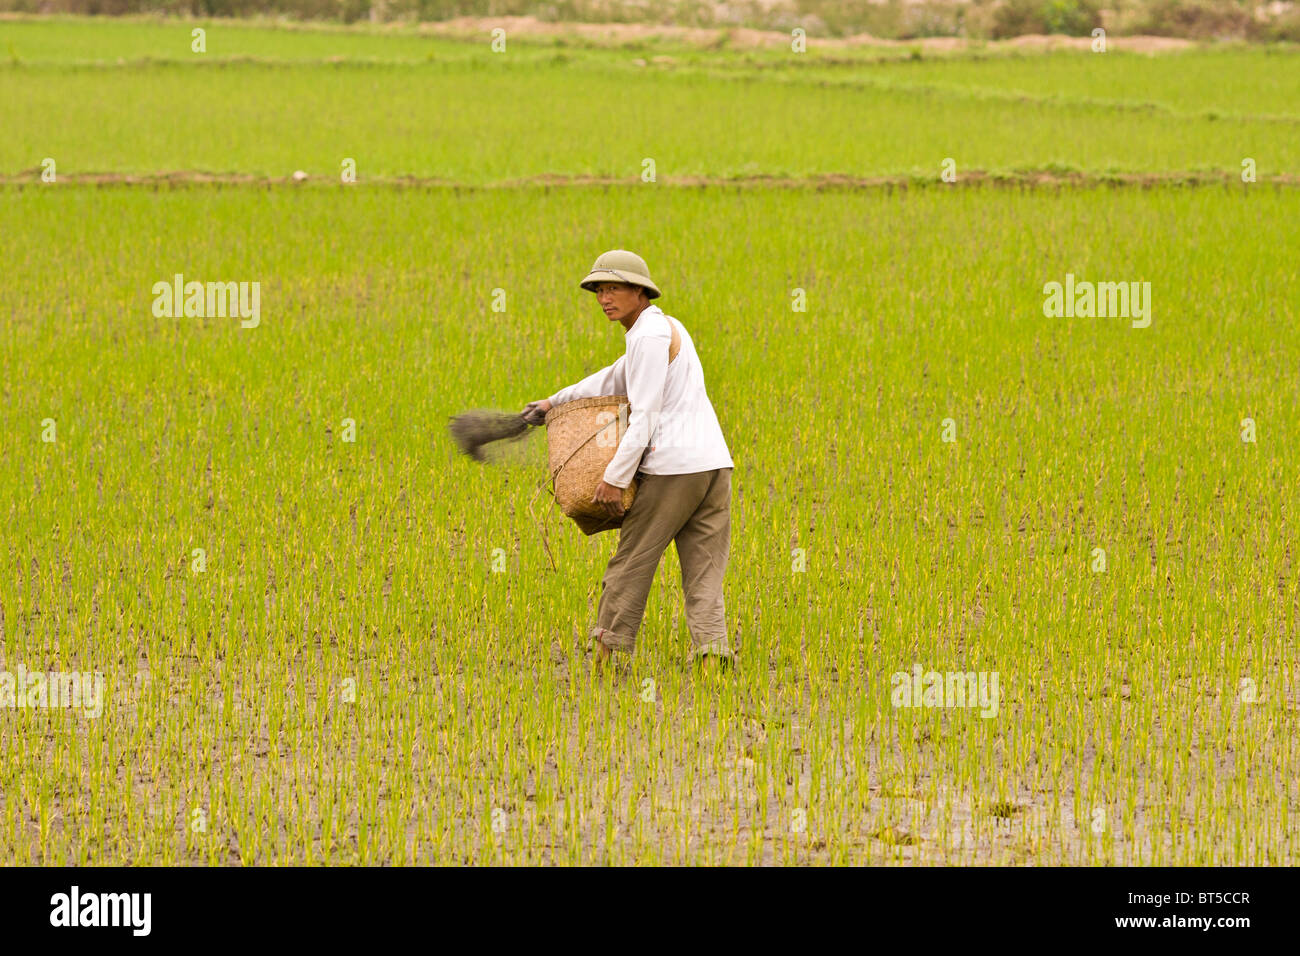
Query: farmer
674, 447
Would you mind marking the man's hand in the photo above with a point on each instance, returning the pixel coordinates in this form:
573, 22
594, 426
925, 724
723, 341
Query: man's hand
609, 497
534, 413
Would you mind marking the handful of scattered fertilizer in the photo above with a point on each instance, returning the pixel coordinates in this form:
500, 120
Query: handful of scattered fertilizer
482, 426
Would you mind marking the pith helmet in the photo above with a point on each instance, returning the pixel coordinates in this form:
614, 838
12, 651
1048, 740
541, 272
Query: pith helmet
619, 265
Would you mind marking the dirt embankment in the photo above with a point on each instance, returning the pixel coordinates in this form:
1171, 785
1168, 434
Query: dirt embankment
975, 178
743, 38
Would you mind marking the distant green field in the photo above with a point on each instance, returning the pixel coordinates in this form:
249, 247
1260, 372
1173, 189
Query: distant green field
378, 662
459, 112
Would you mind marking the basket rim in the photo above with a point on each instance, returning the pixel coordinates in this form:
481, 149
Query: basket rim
580, 403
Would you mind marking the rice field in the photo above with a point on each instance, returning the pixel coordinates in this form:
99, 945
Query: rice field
326, 638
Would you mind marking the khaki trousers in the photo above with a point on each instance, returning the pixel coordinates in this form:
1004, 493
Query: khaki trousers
694, 512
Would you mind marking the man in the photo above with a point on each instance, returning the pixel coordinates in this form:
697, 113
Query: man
674, 447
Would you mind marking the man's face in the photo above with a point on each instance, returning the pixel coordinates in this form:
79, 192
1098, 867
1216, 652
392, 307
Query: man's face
621, 300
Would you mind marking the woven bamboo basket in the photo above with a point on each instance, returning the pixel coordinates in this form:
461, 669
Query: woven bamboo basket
581, 439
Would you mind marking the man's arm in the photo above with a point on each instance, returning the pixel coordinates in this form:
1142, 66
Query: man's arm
646, 374
610, 380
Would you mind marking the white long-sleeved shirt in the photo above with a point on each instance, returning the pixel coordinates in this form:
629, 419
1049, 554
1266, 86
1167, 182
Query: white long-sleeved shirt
670, 410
